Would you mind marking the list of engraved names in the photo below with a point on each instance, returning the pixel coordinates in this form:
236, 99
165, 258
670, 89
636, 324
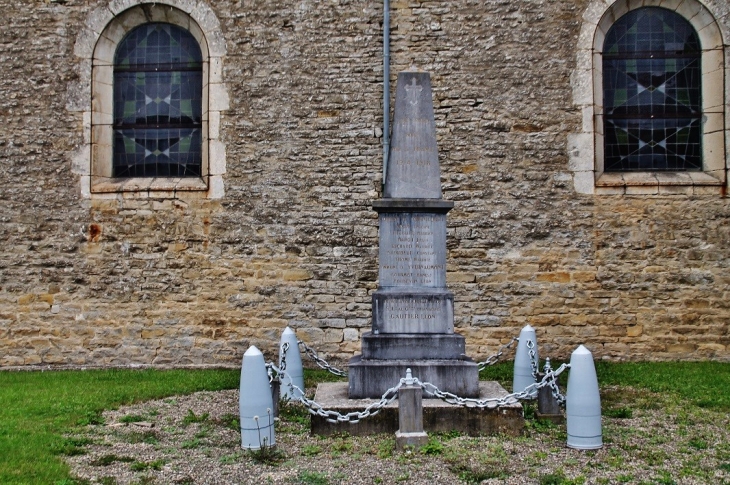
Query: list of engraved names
408, 252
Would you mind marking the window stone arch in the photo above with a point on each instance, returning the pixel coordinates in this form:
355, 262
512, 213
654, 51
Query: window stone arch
585, 149
91, 95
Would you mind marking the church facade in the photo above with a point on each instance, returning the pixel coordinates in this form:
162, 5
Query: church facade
185, 178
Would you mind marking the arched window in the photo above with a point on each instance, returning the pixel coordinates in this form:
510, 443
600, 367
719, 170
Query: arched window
652, 93
158, 87
156, 100
650, 84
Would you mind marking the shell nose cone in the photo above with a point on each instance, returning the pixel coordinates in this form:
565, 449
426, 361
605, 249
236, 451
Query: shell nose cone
525, 357
252, 352
255, 402
583, 402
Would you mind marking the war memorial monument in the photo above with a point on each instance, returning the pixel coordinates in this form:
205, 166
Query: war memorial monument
413, 310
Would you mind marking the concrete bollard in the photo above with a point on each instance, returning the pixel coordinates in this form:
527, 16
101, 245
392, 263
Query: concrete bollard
256, 407
583, 402
294, 369
410, 415
523, 361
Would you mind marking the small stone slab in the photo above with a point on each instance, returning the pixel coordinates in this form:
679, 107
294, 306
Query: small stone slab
557, 419
410, 440
438, 416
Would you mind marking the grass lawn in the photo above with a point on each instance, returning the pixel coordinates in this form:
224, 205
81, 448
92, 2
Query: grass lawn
37, 409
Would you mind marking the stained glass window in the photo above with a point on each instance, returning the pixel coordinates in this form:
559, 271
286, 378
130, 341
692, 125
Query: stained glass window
158, 87
651, 93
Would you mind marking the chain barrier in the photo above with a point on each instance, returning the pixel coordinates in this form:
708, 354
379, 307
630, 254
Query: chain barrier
335, 417
493, 359
491, 403
549, 379
331, 416
320, 361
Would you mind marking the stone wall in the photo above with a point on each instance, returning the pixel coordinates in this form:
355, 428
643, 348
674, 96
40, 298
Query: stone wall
193, 281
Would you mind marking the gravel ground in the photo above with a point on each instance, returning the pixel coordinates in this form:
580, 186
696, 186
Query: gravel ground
648, 439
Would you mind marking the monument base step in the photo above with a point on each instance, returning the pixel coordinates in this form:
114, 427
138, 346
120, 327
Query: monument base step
392, 346
370, 378
438, 416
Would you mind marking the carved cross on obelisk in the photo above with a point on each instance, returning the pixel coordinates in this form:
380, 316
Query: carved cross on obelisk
414, 91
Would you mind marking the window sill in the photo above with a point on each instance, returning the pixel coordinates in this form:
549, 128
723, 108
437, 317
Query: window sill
148, 186
649, 183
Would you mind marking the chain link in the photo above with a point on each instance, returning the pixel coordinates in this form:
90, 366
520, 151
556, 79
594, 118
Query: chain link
282, 353
320, 361
533, 358
493, 359
274, 372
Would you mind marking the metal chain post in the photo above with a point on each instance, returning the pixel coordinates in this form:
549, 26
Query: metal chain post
559, 397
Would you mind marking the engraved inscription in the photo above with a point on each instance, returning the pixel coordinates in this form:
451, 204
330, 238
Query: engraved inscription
410, 151
408, 252
412, 309
416, 156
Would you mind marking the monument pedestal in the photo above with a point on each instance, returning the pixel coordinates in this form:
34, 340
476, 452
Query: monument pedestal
413, 311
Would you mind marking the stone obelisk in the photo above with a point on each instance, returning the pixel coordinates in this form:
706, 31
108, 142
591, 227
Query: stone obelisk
413, 310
